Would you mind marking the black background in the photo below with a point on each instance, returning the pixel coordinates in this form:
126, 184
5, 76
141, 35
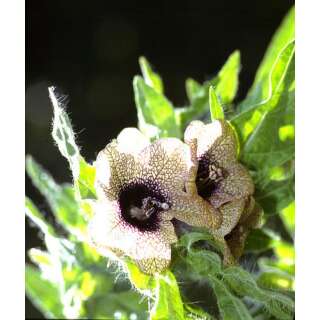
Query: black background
90, 50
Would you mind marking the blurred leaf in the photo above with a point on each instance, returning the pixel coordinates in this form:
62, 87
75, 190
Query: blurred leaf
284, 35
204, 262
36, 217
168, 303
192, 313
155, 110
151, 78
230, 306
274, 196
276, 280
260, 240
189, 238
62, 133
216, 109
43, 294
288, 217
243, 284
60, 198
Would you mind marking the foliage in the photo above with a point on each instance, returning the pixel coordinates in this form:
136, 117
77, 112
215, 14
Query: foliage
69, 279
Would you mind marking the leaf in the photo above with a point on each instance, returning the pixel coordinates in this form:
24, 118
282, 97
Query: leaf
276, 280
284, 35
225, 85
62, 133
36, 217
60, 198
258, 125
142, 282
230, 306
154, 110
267, 146
216, 109
188, 239
151, 78
204, 262
274, 196
168, 303
43, 294
243, 284
86, 180
228, 79
288, 217
260, 240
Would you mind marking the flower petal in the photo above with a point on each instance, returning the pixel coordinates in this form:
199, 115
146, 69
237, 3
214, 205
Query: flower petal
150, 250
168, 162
131, 141
215, 141
238, 184
231, 214
113, 170
195, 211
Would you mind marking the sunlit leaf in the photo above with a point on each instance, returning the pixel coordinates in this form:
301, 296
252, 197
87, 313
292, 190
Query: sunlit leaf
60, 198
168, 303
284, 35
216, 108
151, 78
154, 110
43, 294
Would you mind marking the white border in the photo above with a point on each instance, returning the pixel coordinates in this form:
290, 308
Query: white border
12, 84
307, 160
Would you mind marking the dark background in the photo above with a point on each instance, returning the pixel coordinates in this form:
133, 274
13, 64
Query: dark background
90, 51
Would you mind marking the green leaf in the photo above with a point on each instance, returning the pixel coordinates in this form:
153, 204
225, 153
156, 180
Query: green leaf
142, 282
62, 133
267, 145
36, 217
189, 238
243, 284
43, 294
154, 110
276, 280
227, 81
192, 313
258, 126
86, 180
168, 303
216, 109
204, 262
274, 196
288, 217
230, 306
284, 35
151, 78
225, 85
60, 198
260, 240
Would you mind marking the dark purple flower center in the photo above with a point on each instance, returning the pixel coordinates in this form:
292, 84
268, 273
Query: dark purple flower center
140, 204
208, 176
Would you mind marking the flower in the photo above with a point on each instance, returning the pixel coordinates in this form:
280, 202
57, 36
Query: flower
222, 181
141, 187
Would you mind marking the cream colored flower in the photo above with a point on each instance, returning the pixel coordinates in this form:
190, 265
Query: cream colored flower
141, 187
221, 179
